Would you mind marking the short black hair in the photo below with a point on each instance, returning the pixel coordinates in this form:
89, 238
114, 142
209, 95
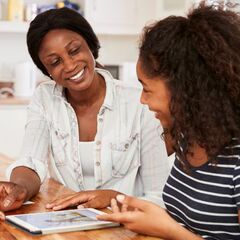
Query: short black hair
63, 18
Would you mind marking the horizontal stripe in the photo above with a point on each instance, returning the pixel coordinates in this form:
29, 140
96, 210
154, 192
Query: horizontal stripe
201, 191
203, 182
200, 212
205, 199
200, 201
204, 222
215, 174
208, 231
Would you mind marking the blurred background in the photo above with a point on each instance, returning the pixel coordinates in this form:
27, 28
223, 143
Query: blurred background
118, 24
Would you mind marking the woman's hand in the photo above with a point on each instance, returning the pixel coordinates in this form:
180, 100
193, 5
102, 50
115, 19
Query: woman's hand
86, 199
12, 196
147, 218
2, 216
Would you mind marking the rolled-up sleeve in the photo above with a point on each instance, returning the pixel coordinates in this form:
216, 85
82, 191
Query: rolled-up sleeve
154, 168
35, 146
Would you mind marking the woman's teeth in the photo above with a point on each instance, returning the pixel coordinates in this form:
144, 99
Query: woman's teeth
77, 76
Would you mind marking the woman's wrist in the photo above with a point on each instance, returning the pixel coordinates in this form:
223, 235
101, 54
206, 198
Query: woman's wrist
178, 232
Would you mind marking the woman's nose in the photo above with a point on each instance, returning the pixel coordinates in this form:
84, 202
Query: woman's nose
69, 64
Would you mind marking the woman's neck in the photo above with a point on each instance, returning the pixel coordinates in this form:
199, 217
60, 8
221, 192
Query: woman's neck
90, 96
198, 156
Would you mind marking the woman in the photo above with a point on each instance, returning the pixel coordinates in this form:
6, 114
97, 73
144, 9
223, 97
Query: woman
190, 71
101, 140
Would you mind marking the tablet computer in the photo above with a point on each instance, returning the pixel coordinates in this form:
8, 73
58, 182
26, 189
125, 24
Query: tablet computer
59, 221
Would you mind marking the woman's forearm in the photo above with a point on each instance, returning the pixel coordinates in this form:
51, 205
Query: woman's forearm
26, 178
179, 233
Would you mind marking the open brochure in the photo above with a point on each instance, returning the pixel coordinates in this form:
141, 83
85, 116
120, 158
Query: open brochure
59, 221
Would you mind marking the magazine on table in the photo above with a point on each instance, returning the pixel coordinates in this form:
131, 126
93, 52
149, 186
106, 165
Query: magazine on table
59, 221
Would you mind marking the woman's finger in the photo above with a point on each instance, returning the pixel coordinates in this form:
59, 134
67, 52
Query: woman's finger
120, 217
2, 216
79, 198
114, 205
124, 207
133, 202
58, 201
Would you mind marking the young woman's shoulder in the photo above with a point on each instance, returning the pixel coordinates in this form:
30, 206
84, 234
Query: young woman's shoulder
129, 91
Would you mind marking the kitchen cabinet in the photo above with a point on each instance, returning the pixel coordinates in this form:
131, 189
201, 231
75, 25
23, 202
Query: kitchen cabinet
115, 17
129, 16
108, 17
166, 8
118, 16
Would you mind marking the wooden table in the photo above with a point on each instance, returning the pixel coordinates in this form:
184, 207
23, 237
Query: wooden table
49, 191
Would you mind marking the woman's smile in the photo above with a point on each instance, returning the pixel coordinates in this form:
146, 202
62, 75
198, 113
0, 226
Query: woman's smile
76, 78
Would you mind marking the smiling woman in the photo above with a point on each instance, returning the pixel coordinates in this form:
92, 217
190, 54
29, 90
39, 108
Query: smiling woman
100, 138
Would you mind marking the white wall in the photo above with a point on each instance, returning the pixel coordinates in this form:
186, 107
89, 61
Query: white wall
114, 50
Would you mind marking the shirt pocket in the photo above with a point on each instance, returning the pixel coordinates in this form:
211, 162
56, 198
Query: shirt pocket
125, 156
58, 146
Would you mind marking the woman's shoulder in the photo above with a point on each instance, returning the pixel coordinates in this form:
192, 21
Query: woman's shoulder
45, 91
119, 86
46, 85
128, 88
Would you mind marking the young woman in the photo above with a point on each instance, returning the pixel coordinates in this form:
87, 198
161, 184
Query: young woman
100, 139
190, 71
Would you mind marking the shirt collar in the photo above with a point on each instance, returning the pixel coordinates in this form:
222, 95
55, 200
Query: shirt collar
58, 90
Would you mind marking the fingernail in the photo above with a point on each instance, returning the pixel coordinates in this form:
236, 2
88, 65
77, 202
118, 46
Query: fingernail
80, 206
56, 208
6, 203
120, 198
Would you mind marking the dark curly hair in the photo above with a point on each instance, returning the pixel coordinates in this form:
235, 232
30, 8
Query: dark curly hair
63, 18
199, 55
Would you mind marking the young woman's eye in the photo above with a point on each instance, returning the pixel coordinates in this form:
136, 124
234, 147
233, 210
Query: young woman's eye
145, 90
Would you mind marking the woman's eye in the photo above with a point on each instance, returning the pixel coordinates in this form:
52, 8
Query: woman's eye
55, 62
74, 51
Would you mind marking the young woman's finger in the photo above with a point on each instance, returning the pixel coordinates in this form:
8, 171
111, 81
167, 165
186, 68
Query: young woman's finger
133, 202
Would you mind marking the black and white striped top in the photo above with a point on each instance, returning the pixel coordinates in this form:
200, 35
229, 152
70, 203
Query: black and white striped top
206, 200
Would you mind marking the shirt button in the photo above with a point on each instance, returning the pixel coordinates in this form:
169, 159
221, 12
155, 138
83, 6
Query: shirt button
100, 119
97, 164
98, 142
126, 145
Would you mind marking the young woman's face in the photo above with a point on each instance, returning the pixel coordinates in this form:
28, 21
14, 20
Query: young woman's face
156, 95
68, 59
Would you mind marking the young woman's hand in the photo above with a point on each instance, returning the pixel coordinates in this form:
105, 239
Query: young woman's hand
147, 218
86, 199
2, 216
12, 196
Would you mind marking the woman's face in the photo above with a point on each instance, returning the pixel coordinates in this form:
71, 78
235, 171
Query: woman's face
68, 59
156, 95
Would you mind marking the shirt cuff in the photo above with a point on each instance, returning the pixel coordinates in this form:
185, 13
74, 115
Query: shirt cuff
34, 164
